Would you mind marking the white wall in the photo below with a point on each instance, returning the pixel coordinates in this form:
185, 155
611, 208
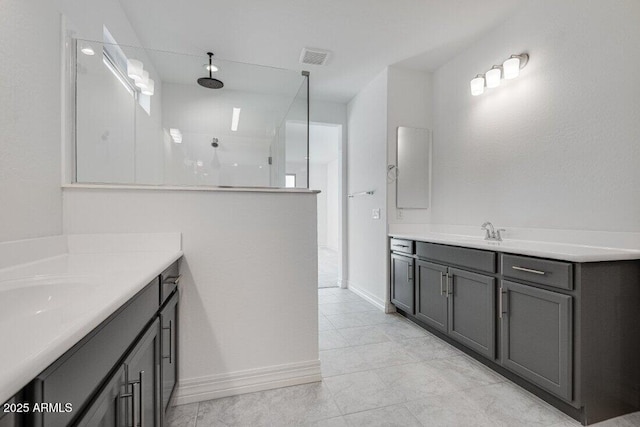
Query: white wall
318, 181
409, 96
367, 157
558, 146
246, 323
333, 206
30, 119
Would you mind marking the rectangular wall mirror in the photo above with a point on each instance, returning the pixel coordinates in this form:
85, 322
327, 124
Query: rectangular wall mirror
413, 163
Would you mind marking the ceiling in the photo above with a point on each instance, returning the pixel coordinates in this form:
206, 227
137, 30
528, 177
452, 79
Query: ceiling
364, 36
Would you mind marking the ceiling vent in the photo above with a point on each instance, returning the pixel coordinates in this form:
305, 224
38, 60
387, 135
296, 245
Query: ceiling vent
314, 56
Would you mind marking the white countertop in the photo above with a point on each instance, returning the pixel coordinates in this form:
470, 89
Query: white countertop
553, 250
47, 305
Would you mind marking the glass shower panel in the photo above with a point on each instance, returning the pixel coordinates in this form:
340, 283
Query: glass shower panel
105, 121
291, 145
183, 133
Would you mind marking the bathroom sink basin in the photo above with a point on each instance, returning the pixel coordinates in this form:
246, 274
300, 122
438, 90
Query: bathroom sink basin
50, 295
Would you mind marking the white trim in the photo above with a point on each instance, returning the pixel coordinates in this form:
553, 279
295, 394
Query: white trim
248, 381
367, 296
188, 188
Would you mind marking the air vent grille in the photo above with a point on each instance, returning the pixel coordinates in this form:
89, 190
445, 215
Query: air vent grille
314, 56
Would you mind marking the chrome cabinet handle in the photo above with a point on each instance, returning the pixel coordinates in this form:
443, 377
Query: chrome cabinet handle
173, 280
409, 275
140, 397
441, 283
400, 246
122, 397
500, 312
170, 329
528, 270
449, 285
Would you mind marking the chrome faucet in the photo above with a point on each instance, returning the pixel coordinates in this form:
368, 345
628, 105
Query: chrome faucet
491, 233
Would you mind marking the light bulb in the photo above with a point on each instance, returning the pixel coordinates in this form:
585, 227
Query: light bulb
142, 82
235, 119
477, 85
211, 68
148, 89
511, 68
493, 76
134, 69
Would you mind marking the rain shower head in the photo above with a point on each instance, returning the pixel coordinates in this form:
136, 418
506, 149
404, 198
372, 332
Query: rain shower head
210, 82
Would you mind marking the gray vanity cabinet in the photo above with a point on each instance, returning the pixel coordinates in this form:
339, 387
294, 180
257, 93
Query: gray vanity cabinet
131, 395
536, 337
472, 310
431, 294
402, 290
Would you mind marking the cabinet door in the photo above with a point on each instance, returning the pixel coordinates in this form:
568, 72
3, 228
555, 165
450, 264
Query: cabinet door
536, 336
472, 310
169, 363
109, 409
142, 371
402, 282
431, 294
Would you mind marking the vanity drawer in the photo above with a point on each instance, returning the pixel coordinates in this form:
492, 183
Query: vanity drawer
401, 245
475, 259
557, 274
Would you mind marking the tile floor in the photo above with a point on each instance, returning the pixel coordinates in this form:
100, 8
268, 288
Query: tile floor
382, 370
327, 267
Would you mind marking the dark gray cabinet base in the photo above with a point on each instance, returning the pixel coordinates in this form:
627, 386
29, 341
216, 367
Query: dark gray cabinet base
402, 282
567, 332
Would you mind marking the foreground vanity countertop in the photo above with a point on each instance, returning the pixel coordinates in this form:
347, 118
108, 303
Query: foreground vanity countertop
553, 250
48, 305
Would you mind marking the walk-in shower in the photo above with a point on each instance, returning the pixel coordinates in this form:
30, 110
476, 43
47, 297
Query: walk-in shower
142, 116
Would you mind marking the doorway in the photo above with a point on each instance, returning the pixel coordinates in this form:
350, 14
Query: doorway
325, 141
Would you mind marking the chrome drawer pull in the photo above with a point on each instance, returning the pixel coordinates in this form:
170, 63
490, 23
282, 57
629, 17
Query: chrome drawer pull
400, 246
173, 280
528, 270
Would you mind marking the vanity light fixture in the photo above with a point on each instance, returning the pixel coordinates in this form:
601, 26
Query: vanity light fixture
510, 69
148, 88
134, 69
235, 119
493, 76
141, 82
477, 85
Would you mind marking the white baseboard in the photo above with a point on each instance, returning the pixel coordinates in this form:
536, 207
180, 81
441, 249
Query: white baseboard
367, 296
223, 385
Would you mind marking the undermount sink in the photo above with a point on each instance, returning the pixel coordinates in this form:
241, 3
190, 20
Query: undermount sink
44, 296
